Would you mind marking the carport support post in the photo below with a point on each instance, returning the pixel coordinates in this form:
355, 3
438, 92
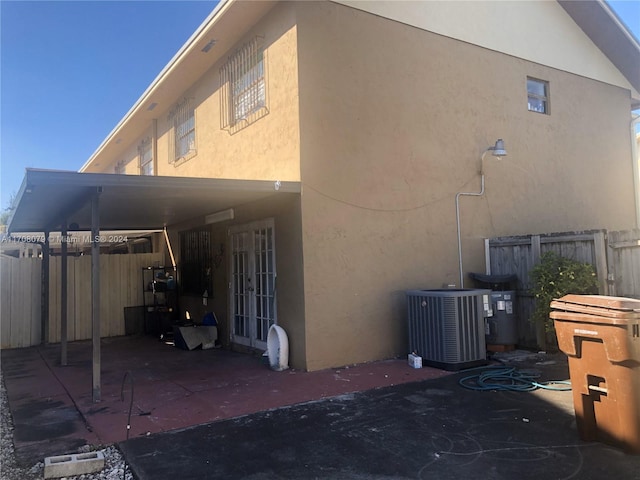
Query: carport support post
95, 293
63, 295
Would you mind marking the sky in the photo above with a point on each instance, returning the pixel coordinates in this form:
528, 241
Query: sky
70, 71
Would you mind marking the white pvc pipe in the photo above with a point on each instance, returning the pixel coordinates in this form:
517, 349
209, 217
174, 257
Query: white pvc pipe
458, 195
278, 348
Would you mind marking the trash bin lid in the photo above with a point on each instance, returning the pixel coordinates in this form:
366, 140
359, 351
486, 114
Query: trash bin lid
592, 319
493, 279
601, 305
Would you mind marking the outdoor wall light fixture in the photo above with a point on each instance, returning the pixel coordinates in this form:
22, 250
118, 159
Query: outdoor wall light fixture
498, 151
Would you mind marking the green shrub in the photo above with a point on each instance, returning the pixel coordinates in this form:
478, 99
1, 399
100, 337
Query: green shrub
556, 276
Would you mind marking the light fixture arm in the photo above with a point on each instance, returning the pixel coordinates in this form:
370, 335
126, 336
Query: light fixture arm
482, 160
498, 151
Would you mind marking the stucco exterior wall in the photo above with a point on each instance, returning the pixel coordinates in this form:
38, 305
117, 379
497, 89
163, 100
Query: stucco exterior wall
394, 121
285, 210
129, 160
528, 29
266, 149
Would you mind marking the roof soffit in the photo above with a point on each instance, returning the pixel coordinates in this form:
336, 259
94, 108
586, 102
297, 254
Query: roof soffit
609, 34
127, 202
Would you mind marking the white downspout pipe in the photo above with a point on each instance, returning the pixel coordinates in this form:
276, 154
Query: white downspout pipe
458, 195
498, 151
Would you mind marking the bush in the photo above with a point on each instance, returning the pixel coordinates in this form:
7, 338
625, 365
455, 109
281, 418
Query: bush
556, 276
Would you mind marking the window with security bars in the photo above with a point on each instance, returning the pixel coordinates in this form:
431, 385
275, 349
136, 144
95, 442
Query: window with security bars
183, 140
537, 95
120, 167
243, 93
146, 157
196, 262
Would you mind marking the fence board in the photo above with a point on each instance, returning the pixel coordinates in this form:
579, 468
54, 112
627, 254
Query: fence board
116, 313
35, 284
19, 308
83, 298
54, 298
5, 303
107, 293
72, 299
20, 301
624, 260
600, 250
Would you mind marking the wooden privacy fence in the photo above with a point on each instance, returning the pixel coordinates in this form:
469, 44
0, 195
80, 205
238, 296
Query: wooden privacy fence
20, 300
623, 261
614, 255
120, 284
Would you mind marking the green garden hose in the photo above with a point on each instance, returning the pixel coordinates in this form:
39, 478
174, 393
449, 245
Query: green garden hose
512, 379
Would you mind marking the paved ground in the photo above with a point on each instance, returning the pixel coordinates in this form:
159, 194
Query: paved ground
433, 429
216, 414
53, 412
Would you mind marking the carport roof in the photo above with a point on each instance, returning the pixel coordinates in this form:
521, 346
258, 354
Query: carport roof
48, 197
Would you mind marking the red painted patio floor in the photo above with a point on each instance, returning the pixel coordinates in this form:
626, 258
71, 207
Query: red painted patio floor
174, 388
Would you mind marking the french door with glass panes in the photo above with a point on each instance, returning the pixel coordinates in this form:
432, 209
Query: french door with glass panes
253, 283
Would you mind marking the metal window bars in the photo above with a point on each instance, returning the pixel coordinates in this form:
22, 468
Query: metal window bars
145, 153
242, 81
183, 141
120, 167
195, 262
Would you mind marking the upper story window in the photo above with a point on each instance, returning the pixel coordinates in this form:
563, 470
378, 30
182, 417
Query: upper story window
243, 93
182, 142
145, 152
538, 95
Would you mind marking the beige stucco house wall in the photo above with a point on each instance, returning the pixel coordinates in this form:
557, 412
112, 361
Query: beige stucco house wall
267, 150
382, 110
389, 138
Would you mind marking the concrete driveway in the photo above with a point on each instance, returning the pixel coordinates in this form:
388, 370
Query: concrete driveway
432, 429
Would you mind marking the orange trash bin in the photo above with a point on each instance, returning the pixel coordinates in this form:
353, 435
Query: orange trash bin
601, 337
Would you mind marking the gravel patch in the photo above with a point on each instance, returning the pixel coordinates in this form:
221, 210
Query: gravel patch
114, 468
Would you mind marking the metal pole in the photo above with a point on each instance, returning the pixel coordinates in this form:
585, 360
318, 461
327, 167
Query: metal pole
63, 295
95, 295
498, 151
458, 195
